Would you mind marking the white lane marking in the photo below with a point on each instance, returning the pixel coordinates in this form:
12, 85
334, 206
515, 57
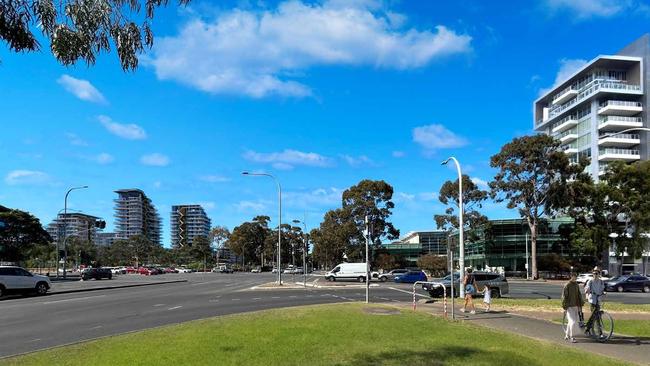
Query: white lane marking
157, 305
213, 300
175, 307
34, 340
97, 327
293, 297
275, 297
408, 292
74, 299
257, 298
235, 299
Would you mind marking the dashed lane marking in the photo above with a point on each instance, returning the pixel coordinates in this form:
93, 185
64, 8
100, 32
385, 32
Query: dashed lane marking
257, 298
175, 307
73, 299
157, 305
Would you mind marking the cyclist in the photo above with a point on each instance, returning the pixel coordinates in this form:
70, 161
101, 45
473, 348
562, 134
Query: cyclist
594, 289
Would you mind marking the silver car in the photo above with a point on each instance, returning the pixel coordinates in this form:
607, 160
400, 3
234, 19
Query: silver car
498, 284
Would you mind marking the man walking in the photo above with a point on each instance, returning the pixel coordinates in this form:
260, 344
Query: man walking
572, 303
594, 289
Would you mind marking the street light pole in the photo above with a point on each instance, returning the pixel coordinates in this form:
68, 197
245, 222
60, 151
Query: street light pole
461, 244
279, 262
65, 229
304, 250
367, 264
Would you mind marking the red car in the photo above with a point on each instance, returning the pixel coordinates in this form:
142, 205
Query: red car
146, 271
131, 270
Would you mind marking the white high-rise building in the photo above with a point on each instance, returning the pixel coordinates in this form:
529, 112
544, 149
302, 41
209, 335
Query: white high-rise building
186, 223
136, 215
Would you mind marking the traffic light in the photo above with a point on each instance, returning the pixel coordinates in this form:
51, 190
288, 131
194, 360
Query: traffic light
100, 224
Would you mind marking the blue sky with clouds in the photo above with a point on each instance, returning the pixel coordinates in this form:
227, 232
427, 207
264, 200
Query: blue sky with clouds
321, 93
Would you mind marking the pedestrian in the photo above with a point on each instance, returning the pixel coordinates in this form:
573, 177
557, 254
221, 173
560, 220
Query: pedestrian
594, 289
487, 297
572, 303
470, 290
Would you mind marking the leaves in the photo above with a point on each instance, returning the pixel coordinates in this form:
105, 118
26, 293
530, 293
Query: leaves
19, 233
473, 199
82, 30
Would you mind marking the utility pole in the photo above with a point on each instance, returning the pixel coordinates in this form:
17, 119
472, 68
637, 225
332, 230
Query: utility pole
367, 263
65, 228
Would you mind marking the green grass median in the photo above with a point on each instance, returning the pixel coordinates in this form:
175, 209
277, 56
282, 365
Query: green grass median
345, 334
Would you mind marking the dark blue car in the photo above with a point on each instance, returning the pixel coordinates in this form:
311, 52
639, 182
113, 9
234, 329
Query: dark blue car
411, 277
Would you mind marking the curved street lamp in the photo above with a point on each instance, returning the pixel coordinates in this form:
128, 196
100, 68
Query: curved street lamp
65, 228
279, 267
461, 244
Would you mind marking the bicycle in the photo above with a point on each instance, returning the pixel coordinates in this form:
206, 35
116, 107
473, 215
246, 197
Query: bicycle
602, 326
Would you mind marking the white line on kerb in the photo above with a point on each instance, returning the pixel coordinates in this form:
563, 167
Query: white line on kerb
74, 299
175, 307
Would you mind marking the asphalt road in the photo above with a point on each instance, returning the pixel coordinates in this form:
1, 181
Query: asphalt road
32, 323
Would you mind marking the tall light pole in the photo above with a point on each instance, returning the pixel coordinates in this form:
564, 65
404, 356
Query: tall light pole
461, 244
304, 250
367, 264
65, 229
279, 267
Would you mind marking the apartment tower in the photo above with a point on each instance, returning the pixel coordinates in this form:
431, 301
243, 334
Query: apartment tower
595, 111
186, 223
136, 215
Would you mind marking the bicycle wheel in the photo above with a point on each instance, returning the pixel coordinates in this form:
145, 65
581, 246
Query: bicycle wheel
603, 327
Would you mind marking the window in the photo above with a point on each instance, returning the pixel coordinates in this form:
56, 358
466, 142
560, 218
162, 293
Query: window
6, 272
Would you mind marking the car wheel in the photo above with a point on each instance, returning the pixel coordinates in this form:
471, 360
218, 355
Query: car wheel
2, 291
41, 288
495, 293
382, 279
110, 277
646, 289
361, 279
619, 289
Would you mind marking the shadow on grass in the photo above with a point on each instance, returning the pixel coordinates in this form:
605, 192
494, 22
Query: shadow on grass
441, 356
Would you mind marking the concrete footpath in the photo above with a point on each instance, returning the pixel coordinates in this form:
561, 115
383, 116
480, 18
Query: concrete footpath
630, 349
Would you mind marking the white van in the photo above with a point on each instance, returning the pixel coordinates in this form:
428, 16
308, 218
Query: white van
348, 271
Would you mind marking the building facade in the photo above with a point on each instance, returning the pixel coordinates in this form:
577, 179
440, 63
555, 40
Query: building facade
135, 214
591, 111
186, 223
76, 224
106, 239
418, 243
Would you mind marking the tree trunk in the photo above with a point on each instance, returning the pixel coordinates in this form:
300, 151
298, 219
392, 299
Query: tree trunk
533, 248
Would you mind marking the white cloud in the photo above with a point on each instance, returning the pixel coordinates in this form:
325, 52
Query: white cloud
427, 196
399, 154
211, 178
567, 68
82, 89
126, 131
480, 183
255, 53
27, 177
288, 158
75, 140
321, 197
208, 205
155, 159
435, 136
251, 206
103, 158
400, 197
591, 8
357, 161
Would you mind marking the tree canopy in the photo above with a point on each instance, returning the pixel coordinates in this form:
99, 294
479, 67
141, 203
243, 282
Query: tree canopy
80, 29
473, 198
19, 233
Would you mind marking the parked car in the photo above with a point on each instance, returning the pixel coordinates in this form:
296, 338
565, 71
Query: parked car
256, 270
383, 277
628, 283
18, 280
348, 271
226, 269
146, 271
171, 270
183, 270
498, 284
410, 277
131, 270
96, 273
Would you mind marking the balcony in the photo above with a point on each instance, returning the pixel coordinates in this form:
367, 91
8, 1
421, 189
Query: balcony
570, 150
564, 124
620, 108
623, 139
567, 137
565, 95
610, 123
612, 154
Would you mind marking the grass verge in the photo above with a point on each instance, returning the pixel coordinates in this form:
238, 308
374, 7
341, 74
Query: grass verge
345, 334
556, 305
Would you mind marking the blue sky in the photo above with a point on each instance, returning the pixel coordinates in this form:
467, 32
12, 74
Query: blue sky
322, 94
